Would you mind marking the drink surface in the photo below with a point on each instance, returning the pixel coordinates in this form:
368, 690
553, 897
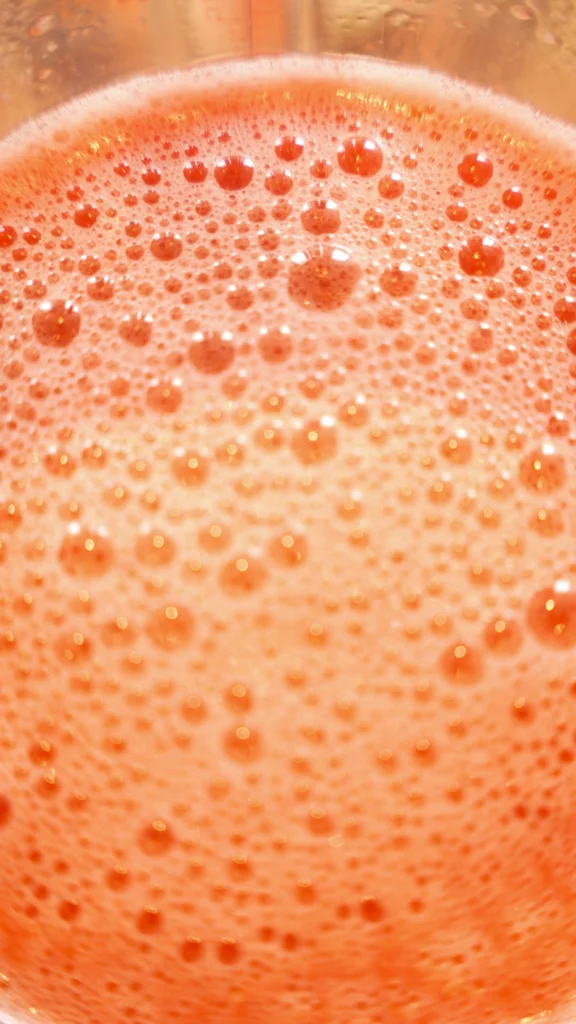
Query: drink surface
288, 560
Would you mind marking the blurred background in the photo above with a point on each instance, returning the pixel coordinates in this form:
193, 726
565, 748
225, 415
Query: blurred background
51, 50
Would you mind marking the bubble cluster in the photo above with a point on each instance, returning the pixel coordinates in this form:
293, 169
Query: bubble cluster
287, 597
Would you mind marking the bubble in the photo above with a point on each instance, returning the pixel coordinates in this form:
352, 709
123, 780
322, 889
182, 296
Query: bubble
233, 173
243, 744
321, 168
322, 278
354, 413
481, 338
170, 627
244, 574
289, 147
289, 548
100, 288
551, 615
565, 309
279, 182
475, 169
399, 280
238, 698
59, 462
68, 909
457, 212
228, 951
166, 245
481, 256
151, 176
149, 920
154, 548
156, 838
87, 553
319, 822
316, 441
118, 878
543, 469
360, 156
41, 752
5, 810
136, 329
189, 467
391, 186
214, 537
193, 709
118, 632
56, 323
211, 352
86, 215
460, 663
89, 265
503, 635
191, 949
10, 516
275, 344
240, 297
320, 217
195, 172
548, 522
8, 236
371, 909
457, 448
165, 395
571, 342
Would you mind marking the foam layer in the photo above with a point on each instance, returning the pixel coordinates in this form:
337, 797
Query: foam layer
287, 608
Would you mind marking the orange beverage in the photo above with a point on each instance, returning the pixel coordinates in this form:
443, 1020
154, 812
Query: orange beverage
287, 542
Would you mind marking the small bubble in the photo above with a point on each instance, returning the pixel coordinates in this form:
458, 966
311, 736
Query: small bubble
100, 288
289, 548
457, 212
191, 949
323, 278
242, 575
503, 635
189, 467
481, 256
56, 323
354, 413
289, 148
242, 744
165, 395
319, 822
461, 664
320, 217
89, 265
543, 470
316, 441
156, 838
195, 172
136, 329
391, 186
321, 168
275, 344
212, 352
360, 156
551, 615
548, 522
59, 462
86, 215
371, 909
69, 909
118, 878
170, 627
41, 752
457, 448
86, 552
166, 245
399, 280
481, 338
149, 921
228, 951
238, 698
513, 198
193, 709
5, 810
8, 236
565, 309
279, 182
233, 173
475, 169
154, 548
10, 516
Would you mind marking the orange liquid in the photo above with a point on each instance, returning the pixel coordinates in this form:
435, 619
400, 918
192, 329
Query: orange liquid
287, 527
